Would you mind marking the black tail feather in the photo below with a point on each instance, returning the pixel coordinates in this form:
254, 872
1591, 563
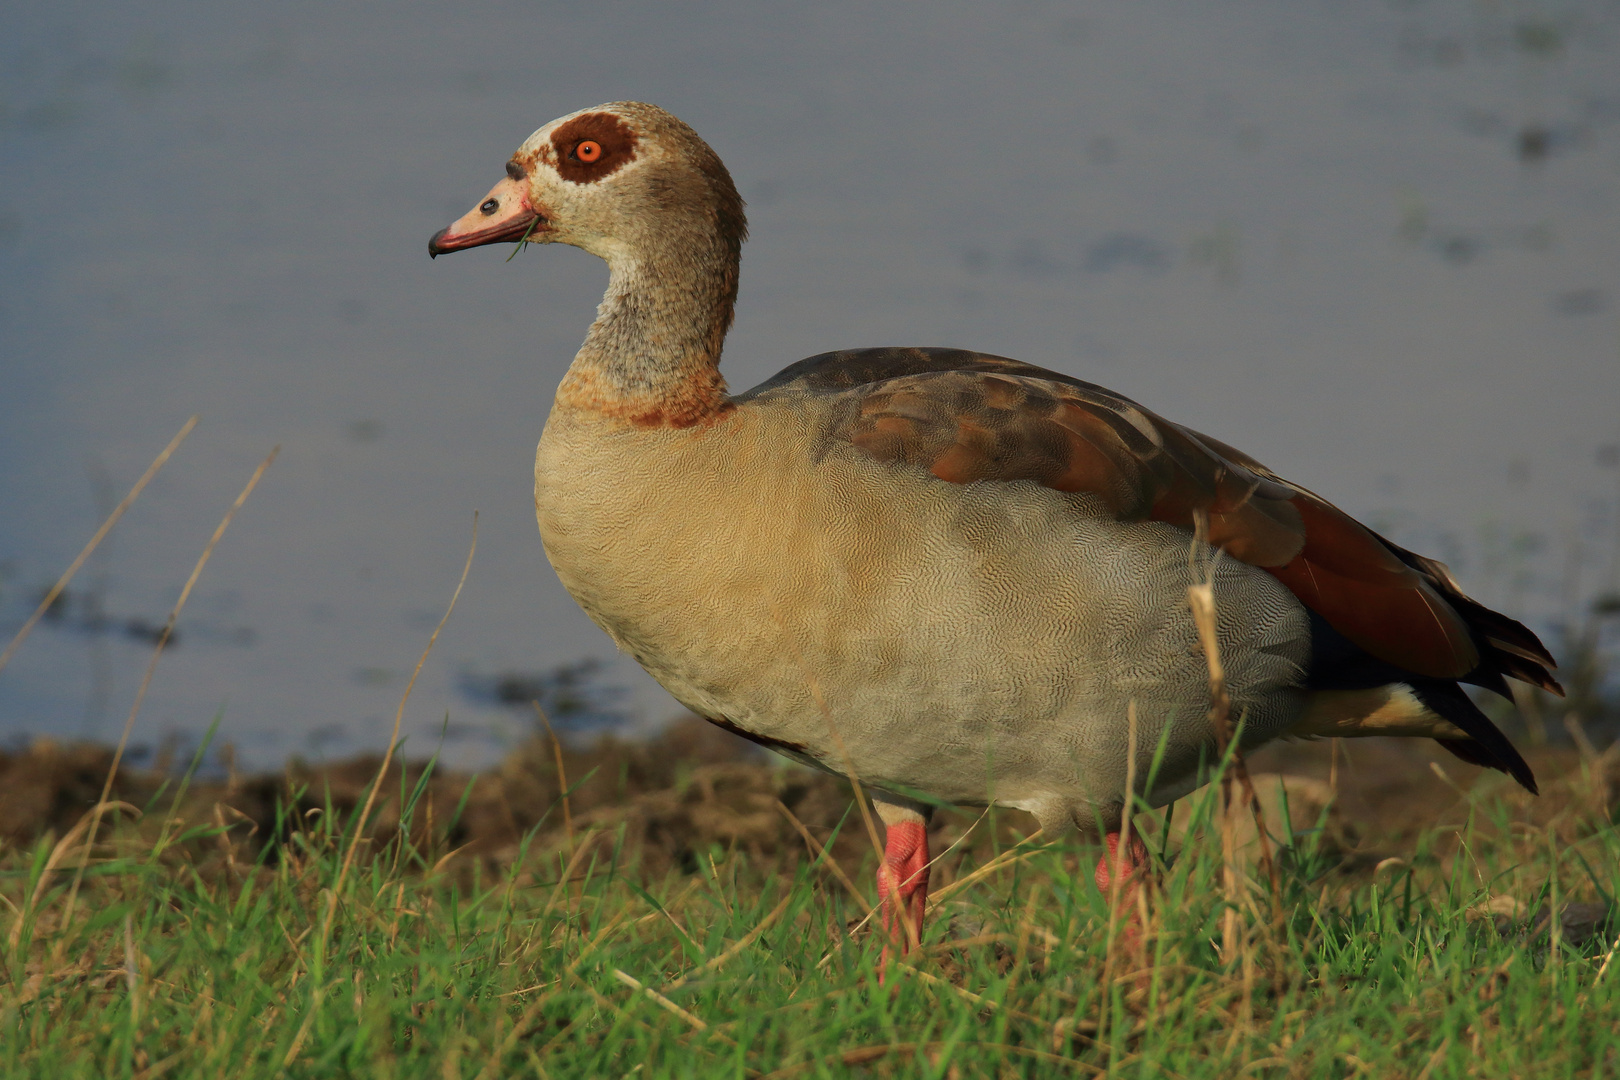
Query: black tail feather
1485, 745
1507, 647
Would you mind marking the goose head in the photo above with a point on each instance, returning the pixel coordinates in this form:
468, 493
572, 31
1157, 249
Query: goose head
626, 181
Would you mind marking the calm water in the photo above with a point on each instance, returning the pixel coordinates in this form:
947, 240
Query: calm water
1377, 246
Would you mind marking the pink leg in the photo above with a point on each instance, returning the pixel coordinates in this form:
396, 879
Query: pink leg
1136, 859
1133, 868
902, 877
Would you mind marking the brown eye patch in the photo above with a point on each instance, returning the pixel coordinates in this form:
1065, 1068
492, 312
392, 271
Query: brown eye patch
592, 146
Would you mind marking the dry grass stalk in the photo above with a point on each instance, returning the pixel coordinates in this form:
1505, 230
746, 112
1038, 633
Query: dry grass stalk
1577, 733
669, 916
911, 933
1084, 1029
399, 716
1116, 880
60, 851
572, 865
57, 589
725, 901
849, 765
960, 840
865, 1055
872, 910
151, 669
947, 891
132, 972
1201, 598
1245, 1017
1555, 909
739, 945
1607, 959
1026, 847
1026, 928
336, 890
1434, 1058
814, 686
817, 851
664, 1003
562, 775
1333, 770
1268, 860
522, 1027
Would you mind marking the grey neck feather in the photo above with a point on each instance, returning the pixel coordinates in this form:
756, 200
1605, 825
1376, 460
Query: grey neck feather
659, 329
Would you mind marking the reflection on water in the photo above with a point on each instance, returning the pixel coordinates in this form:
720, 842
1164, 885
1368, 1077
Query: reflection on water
1375, 247
570, 697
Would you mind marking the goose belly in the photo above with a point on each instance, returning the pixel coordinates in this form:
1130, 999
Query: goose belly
981, 642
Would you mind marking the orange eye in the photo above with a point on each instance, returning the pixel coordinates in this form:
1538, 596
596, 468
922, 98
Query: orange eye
588, 151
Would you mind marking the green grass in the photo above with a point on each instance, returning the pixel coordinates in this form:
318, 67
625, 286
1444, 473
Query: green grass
198, 950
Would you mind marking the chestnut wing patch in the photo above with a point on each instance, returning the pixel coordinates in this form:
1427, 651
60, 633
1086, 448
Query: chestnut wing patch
975, 426
970, 418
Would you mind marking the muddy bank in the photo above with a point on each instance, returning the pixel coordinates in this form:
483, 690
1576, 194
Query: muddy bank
692, 786
696, 785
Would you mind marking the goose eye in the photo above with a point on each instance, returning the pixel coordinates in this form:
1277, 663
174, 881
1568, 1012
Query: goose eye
588, 151
489, 207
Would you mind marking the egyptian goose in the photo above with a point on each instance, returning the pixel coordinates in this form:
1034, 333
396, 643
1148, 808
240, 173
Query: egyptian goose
949, 573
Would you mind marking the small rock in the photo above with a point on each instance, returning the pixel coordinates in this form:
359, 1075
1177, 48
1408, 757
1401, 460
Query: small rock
1579, 924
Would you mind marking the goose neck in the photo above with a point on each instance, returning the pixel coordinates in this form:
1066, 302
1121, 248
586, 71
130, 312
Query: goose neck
652, 356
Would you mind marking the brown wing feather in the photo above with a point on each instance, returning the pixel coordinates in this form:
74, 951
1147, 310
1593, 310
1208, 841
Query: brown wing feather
1346, 575
968, 417
1506, 646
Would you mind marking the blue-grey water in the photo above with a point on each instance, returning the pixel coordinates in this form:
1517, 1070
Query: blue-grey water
1375, 245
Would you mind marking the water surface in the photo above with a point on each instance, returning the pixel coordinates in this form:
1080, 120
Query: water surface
1377, 246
